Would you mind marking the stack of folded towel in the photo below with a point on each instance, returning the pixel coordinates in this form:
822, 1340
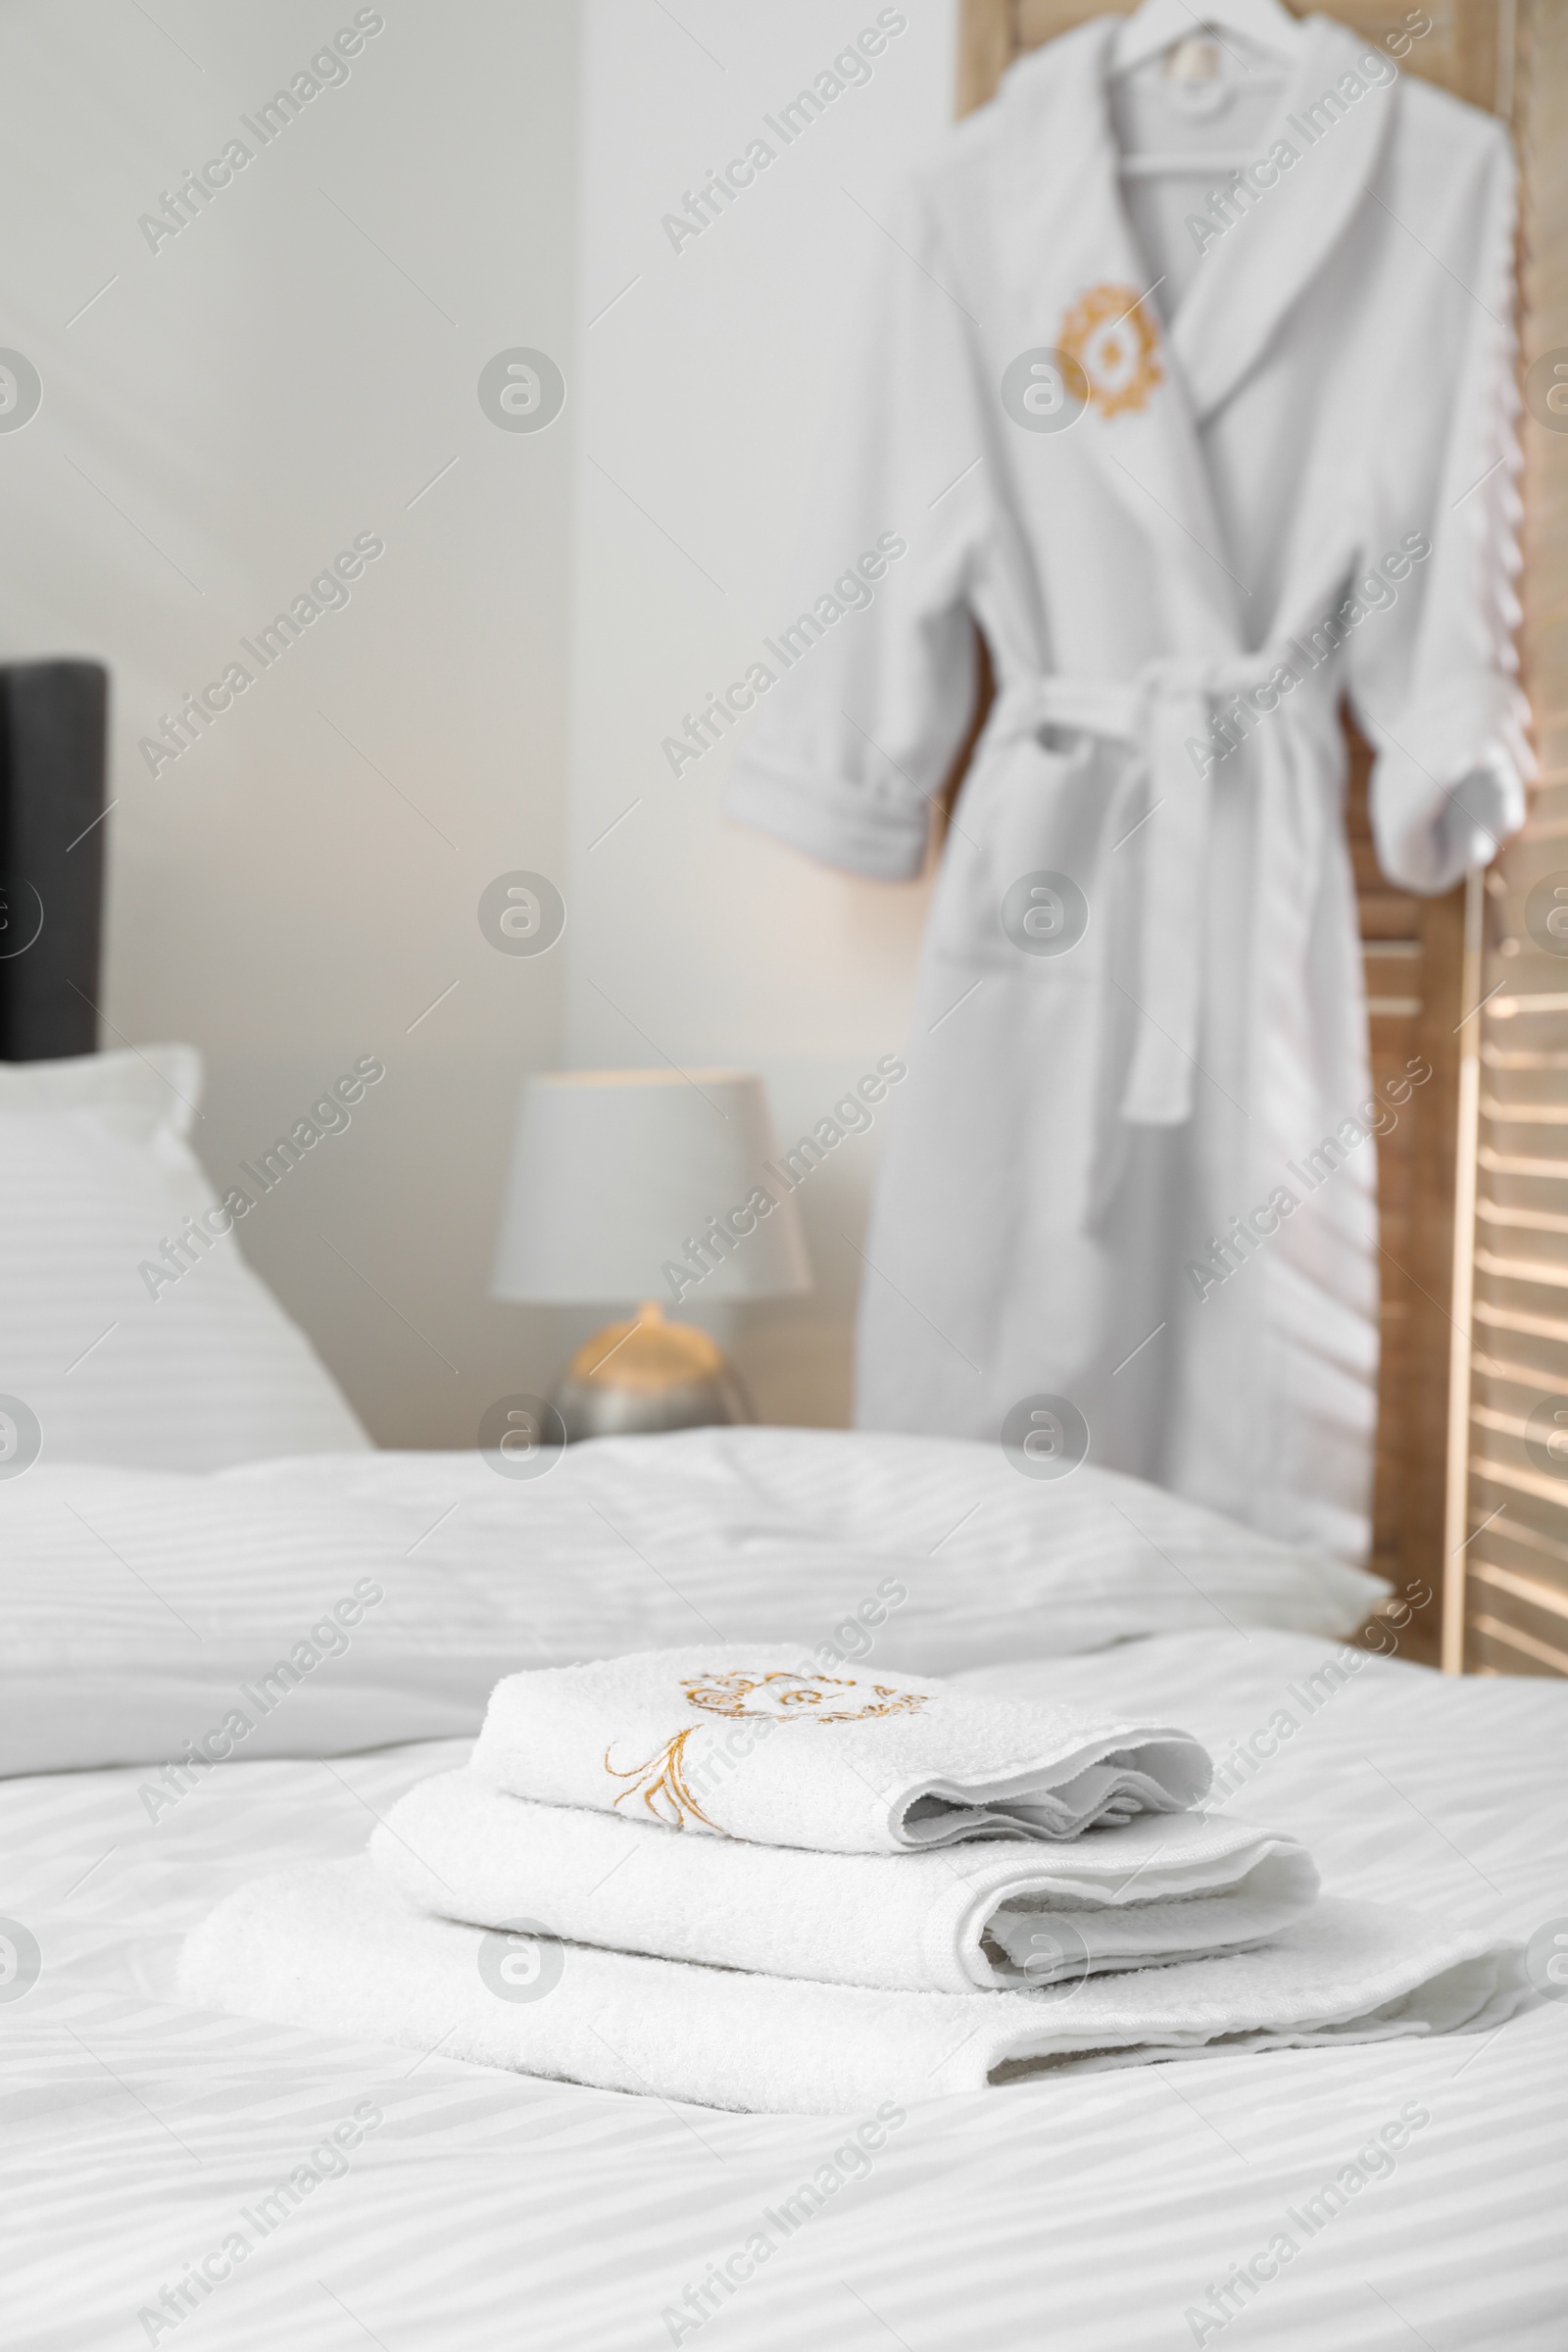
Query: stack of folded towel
707, 1875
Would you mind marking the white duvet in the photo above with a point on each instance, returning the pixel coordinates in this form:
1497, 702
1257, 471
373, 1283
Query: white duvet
183, 2178
334, 1602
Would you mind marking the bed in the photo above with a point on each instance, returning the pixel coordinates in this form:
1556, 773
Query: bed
231, 1634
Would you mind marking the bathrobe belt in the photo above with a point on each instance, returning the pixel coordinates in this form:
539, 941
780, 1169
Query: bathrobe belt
1165, 716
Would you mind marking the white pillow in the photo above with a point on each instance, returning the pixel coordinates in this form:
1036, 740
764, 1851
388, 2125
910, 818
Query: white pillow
98, 1360
348, 1602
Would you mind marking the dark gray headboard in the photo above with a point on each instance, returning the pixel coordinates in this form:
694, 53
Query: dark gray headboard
53, 737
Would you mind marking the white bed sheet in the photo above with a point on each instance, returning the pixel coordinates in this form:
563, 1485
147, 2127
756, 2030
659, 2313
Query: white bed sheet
1090, 2214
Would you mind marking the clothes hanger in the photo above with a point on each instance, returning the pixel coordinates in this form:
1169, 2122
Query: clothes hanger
1177, 31
1159, 25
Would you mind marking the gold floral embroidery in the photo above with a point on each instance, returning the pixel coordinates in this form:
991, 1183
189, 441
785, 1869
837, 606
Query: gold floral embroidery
782, 1696
1114, 341
665, 1795
779, 1697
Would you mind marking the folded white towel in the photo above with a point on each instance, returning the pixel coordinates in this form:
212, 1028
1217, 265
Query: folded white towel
740, 1743
1167, 1886
331, 1947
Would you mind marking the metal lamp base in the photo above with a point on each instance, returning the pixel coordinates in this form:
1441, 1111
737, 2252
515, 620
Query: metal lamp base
634, 1378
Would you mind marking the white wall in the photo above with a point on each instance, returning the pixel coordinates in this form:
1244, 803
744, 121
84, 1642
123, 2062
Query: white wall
700, 394
294, 367
227, 413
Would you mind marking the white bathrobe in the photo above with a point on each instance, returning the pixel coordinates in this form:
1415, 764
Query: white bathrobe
1285, 476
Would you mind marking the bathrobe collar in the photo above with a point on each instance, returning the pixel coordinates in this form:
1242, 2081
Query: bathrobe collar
1252, 276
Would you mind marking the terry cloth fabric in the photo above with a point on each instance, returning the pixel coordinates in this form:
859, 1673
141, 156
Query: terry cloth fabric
1167, 1886
746, 1744
330, 1947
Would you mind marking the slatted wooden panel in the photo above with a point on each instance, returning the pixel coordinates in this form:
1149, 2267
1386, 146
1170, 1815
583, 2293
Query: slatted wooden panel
1397, 973
1508, 1596
1413, 948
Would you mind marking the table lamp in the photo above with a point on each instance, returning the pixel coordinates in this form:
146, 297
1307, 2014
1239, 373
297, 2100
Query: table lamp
648, 1186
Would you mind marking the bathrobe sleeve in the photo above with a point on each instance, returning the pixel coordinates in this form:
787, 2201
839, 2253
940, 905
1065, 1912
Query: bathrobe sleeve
1432, 675
874, 659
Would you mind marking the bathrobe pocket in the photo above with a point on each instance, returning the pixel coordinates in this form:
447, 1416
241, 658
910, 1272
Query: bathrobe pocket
1026, 879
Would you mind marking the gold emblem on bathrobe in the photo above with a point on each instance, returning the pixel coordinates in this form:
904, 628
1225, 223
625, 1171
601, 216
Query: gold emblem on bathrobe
778, 1697
1115, 343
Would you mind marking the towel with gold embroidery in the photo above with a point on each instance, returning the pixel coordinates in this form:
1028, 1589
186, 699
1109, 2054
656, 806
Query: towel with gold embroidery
747, 1744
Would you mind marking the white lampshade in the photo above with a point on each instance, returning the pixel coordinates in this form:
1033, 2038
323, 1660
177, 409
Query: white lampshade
615, 1172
